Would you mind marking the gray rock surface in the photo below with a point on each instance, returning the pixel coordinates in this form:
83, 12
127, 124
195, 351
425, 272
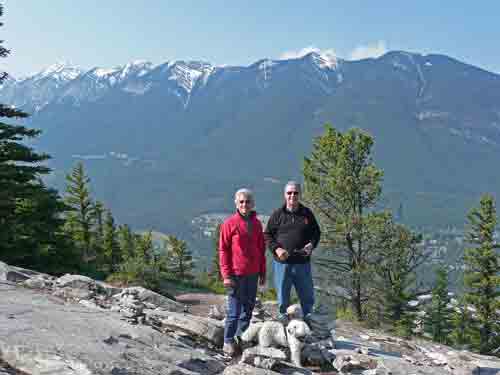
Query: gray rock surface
77, 326
42, 334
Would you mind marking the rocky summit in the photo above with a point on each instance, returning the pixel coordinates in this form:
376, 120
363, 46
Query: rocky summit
74, 325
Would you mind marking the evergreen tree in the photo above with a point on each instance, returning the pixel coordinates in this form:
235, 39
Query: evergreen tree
98, 233
461, 335
406, 325
180, 261
398, 257
144, 246
342, 185
438, 320
80, 219
214, 274
126, 240
29, 212
111, 246
482, 273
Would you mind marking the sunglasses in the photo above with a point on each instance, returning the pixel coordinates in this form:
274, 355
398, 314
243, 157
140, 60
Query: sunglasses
245, 201
292, 193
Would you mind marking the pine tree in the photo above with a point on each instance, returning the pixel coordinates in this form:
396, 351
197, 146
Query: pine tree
406, 325
342, 185
28, 210
438, 320
111, 246
98, 232
145, 247
214, 274
398, 257
80, 219
461, 335
126, 240
482, 273
180, 261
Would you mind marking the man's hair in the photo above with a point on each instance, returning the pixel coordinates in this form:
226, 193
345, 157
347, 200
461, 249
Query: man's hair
246, 192
294, 184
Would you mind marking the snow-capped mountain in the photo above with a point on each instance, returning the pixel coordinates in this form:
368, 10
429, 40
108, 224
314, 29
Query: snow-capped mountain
34, 92
193, 125
65, 83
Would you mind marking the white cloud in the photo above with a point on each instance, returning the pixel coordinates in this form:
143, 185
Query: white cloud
304, 51
372, 50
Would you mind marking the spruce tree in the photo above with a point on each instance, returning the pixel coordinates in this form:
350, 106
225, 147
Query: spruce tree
397, 259
482, 273
126, 240
180, 261
342, 185
111, 247
145, 247
28, 210
461, 334
80, 219
214, 273
438, 320
98, 232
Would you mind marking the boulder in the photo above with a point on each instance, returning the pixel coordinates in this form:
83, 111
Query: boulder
216, 312
347, 361
147, 296
205, 328
14, 274
244, 369
250, 354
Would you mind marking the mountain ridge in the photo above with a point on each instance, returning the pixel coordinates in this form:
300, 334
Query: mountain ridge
195, 129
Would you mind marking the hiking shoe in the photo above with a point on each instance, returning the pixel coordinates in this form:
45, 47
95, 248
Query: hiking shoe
283, 319
230, 349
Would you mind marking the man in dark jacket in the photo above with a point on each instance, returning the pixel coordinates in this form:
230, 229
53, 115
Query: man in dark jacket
291, 235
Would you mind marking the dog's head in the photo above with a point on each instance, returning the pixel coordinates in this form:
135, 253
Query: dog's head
298, 329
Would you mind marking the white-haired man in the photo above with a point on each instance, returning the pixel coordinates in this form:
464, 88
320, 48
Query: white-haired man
292, 233
242, 265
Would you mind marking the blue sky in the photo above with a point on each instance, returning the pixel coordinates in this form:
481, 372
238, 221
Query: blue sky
107, 33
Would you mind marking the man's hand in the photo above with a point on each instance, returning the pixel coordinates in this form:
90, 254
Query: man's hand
282, 254
308, 248
228, 283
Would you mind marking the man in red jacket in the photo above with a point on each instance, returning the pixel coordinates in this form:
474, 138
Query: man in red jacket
242, 264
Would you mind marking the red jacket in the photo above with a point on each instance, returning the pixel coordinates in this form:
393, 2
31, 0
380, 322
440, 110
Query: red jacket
240, 253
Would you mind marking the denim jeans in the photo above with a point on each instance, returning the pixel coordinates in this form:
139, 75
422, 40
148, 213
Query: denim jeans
298, 275
240, 304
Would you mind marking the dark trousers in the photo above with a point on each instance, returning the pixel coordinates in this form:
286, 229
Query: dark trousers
240, 304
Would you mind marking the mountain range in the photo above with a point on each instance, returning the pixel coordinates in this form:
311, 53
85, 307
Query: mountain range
165, 143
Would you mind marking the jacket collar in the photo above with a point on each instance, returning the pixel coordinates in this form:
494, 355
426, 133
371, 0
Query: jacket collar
299, 208
252, 215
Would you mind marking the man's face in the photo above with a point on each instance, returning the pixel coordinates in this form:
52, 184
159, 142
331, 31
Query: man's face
292, 196
243, 204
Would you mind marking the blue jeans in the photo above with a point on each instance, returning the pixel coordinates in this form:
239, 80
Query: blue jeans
298, 275
240, 304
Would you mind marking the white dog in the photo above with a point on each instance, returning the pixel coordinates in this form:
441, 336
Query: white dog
272, 333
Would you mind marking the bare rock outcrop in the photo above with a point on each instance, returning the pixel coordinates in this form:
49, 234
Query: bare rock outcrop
74, 325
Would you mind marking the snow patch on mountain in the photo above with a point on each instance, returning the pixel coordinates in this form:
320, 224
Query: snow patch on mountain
62, 71
187, 74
